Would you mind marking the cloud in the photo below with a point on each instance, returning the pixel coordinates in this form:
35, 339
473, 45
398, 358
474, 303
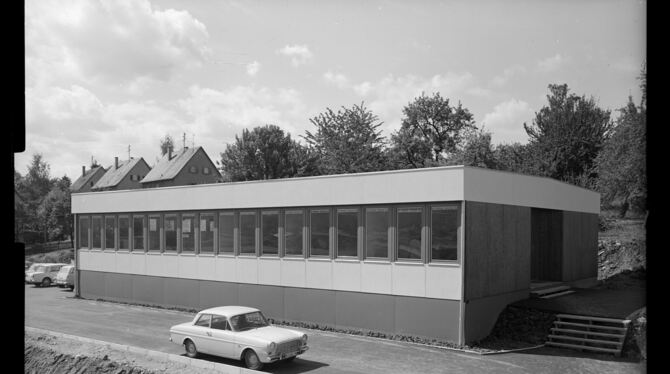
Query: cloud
551, 63
337, 79
508, 73
111, 41
253, 68
506, 121
299, 54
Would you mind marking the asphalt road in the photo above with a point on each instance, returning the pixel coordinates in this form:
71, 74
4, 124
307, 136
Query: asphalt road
54, 309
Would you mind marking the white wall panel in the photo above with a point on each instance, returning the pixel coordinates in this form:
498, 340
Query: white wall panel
443, 282
269, 271
226, 269
206, 267
186, 266
122, 264
293, 272
377, 277
409, 280
347, 276
155, 265
247, 270
138, 263
319, 274
106, 262
86, 260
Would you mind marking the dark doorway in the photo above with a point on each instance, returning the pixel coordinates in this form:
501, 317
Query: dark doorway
546, 236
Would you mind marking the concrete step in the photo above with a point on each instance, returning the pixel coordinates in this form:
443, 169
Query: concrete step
585, 325
557, 294
589, 333
589, 318
584, 340
547, 291
583, 347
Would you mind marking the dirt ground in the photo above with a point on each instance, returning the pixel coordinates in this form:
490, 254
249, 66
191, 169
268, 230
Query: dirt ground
48, 354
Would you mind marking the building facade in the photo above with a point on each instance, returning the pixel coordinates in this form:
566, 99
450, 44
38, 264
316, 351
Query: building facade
187, 167
124, 175
433, 252
88, 179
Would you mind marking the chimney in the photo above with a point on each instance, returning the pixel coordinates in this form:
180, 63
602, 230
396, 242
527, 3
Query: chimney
83, 170
169, 153
116, 163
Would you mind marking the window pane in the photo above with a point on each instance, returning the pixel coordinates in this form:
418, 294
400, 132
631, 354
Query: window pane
247, 232
376, 232
109, 232
444, 233
138, 233
170, 231
188, 233
347, 233
97, 232
83, 232
124, 233
226, 232
320, 224
154, 234
293, 225
203, 320
207, 230
270, 233
409, 233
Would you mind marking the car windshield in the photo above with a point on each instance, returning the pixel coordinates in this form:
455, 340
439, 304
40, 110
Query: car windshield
248, 321
64, 270
40, 269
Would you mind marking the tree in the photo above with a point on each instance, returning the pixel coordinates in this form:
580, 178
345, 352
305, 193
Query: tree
167, 145
55, 211
476, 151
567, 135
347, 141
431, 130
263, 153
621, 165
513, 157
32, 189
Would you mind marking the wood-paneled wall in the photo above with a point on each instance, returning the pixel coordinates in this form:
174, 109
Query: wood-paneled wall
546, 244
580, 246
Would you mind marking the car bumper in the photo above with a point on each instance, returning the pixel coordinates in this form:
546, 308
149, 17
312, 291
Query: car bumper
283, 356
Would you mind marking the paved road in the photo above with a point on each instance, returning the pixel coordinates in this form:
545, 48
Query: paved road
55, 309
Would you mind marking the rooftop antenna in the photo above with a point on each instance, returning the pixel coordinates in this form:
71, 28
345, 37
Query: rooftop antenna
183, 141
193, 141
129, 151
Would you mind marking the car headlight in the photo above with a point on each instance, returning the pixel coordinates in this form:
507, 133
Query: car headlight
304, 339
271, 347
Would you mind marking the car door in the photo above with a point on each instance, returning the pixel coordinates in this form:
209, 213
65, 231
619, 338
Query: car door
224, 337
201, 334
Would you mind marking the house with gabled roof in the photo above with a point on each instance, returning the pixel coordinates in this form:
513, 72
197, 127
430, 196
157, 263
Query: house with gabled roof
87, 179
124, 175
189, 166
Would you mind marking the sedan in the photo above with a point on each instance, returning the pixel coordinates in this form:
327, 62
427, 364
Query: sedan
240, 333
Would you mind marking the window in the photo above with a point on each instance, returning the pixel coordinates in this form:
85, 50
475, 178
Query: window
248, 232
207, 231
376, 232
188, 233
154, 233
347, 232
444, 233
226, 232
293, 225
204, 320
206, 171
170, 232
138, 233
84, 226
319, 227
193, 169
124, 232
110, 223
220, 323
409, 233
270, 233
97, 232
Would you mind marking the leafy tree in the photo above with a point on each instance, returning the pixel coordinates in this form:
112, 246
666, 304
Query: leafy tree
167, 145
32, 189
431, 130
347, 141
476, 150
567, 135
263, 153
55, 212
621, 165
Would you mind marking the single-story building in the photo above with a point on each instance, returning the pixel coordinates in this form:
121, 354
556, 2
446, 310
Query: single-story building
435, 252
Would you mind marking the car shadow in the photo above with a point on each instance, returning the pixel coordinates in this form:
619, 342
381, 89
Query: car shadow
562, 352
298, 365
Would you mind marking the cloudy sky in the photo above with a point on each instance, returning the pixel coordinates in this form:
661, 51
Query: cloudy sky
103, 75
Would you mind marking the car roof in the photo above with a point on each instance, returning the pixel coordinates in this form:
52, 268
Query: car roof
48, 264
230, 310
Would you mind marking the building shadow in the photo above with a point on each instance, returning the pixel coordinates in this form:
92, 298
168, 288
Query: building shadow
298, 365
561, 352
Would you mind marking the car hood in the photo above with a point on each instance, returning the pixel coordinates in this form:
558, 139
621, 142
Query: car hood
271, 334
31, 273
185, 324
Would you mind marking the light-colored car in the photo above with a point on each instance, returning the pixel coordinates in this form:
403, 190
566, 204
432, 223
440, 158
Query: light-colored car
42, 274
240, 333
65, 277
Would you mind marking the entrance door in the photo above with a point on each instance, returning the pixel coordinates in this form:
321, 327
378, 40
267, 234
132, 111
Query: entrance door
546, 260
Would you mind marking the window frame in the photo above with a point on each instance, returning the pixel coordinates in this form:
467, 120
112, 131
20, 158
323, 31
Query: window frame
396, 239
357, 232
459, 225
389, 216
215, 231
218, 215
165, 218
159, 228
328, 211
88, 233
263, 213
100, 231
194, 229
128, 231
301, 213
143, 217
241, 214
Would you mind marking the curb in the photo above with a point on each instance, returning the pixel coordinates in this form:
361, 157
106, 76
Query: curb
196, 363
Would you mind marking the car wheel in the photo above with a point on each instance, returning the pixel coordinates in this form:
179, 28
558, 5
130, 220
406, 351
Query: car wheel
46, 282
251, 360
191, 351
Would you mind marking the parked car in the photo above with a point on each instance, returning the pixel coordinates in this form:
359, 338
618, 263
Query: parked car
240, 333
42, 274
65, 277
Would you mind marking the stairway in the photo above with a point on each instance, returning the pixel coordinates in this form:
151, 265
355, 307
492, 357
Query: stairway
587, 333
549, 290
